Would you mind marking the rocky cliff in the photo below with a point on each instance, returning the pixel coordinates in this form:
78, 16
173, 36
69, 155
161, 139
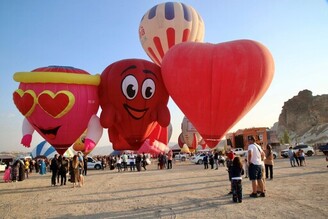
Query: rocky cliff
305, 118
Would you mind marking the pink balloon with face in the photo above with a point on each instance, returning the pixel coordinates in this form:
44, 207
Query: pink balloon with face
58, 102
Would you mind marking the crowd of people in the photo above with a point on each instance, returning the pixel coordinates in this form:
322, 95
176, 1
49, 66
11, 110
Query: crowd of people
20, 169
257, 165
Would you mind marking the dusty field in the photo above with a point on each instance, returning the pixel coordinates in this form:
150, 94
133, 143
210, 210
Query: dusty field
186, 191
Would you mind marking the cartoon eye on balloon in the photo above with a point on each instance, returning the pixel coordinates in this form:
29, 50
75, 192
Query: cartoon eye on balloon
166, 25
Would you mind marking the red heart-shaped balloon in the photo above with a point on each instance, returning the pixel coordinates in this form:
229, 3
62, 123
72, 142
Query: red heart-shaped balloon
215, 85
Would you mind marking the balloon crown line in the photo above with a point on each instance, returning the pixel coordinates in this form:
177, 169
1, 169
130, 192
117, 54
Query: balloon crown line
57, 77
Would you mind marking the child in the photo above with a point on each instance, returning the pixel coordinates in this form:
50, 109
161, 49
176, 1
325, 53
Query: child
236, 172
7, 174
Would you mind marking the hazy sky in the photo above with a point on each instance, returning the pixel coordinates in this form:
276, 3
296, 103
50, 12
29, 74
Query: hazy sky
93, 34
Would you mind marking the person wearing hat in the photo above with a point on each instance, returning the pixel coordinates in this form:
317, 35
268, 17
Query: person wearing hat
255, 162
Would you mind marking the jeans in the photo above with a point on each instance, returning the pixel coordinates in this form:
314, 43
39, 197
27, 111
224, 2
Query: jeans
237, 190
292, 161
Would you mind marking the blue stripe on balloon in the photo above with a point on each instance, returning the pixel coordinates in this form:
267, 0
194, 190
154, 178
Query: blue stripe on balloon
186, 12
152, 12
169, 10
39, 148
49, 151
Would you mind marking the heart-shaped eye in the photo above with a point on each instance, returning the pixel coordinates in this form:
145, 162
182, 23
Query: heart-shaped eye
25, 101
57, 104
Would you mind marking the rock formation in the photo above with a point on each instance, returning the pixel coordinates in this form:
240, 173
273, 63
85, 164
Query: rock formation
305, 118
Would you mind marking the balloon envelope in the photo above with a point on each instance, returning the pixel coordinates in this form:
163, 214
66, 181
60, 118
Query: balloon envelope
134, 101
168, 24
190, 135
58, 101
45, 150
215, 85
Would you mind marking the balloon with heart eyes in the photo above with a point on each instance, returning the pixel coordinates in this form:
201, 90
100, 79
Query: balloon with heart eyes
60, 103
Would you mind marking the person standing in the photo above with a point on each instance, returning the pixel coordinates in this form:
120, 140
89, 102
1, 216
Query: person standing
75, 178
43, 167
64, 167
255, 160
144, 161
216, 159
85, 165
119, 163
132, 162
21, 170
7, 175
54, 170
291, 156
169, 159
302, 157
211, 160
36, 165
27, 167
138, 162
230, 156
236, 180
205, 161
125, 161
14, 171
268, 162
296, 155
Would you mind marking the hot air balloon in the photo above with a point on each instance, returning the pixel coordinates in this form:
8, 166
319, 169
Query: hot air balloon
215, 85
45, 150
134, 101
190, 135
59, 102
168, 24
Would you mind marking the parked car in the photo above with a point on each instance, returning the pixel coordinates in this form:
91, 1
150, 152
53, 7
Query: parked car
181, 157
93, 164
197, 159
2, 167
324, 148
239, 151
308, 150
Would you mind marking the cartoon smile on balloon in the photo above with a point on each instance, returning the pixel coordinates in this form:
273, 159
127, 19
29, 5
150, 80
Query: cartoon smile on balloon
59, 103
133, 99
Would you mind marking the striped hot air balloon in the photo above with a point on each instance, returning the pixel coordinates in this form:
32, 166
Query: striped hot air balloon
46, 150
168, 24
43, 149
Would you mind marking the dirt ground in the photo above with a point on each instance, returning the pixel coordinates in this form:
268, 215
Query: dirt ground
186, 191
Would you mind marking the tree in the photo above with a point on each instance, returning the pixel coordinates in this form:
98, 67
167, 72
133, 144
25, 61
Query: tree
285, 138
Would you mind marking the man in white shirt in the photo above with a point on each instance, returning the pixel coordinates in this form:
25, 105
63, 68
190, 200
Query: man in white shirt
255, 163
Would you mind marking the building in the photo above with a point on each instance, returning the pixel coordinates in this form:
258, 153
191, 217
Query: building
262, 135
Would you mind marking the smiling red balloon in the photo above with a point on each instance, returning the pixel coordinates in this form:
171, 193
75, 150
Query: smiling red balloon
215, 85
134, 100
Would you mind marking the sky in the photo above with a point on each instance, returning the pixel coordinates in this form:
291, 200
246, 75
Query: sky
91, 35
